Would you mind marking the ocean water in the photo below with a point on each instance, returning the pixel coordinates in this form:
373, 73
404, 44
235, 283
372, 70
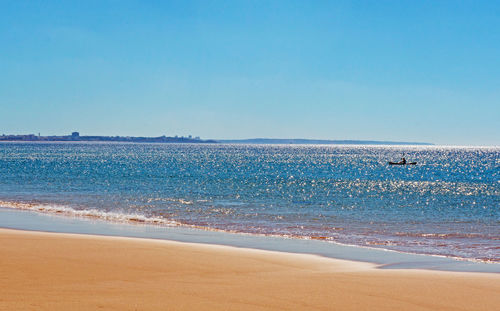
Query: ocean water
448, 204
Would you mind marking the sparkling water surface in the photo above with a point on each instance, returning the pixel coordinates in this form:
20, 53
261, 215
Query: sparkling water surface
448, 204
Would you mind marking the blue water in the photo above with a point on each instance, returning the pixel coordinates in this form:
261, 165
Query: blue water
448, 204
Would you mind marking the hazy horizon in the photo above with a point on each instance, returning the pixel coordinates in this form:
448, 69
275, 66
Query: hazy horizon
223, 140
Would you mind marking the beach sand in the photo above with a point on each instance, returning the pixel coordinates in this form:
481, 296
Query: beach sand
52, 271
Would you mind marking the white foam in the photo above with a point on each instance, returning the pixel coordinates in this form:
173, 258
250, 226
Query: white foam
88, 213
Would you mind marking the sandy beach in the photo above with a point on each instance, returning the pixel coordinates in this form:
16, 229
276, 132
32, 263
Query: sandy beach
52, 271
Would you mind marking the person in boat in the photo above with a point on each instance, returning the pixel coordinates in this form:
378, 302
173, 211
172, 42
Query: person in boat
403, 160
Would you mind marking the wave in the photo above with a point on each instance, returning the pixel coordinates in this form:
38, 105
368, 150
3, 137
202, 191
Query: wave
88, 213
130, 218
441, 235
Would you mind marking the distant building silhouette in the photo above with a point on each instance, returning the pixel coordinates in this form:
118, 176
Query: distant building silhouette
75, 136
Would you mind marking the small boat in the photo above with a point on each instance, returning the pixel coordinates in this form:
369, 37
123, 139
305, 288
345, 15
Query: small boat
402, 163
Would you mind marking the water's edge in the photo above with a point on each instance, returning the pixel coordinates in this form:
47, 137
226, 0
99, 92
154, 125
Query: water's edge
35, 221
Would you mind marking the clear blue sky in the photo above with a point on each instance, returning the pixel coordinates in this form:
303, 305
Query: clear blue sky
382, 70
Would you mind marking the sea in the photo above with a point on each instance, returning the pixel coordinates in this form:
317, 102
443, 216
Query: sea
447, 205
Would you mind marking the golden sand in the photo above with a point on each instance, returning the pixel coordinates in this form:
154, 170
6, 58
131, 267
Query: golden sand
49, 271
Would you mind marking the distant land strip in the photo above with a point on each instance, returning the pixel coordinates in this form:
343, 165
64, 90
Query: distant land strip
75, 136
301, 141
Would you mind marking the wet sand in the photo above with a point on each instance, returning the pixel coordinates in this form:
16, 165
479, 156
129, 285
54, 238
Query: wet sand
56, 271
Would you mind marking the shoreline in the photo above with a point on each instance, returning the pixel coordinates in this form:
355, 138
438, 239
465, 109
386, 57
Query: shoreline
384, 259
61, 271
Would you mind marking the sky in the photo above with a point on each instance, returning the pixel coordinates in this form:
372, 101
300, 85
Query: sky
424, 71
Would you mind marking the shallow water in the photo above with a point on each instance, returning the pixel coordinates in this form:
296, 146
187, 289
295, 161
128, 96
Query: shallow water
448, 204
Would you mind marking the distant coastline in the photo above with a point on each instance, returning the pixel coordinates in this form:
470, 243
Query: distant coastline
75, 136
300, 141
